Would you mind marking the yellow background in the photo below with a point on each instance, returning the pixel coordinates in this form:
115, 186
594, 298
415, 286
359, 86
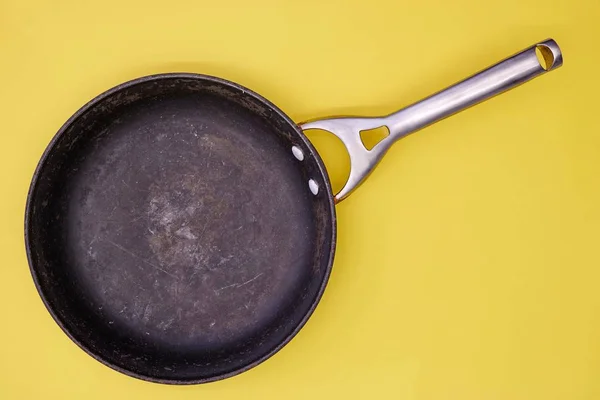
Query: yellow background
468, 265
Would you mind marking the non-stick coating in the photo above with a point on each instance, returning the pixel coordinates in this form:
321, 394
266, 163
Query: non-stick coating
171, 231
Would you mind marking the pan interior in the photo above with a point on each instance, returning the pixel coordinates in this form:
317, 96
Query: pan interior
172, 231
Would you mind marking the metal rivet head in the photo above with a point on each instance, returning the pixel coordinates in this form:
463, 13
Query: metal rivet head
313, 186
297, 153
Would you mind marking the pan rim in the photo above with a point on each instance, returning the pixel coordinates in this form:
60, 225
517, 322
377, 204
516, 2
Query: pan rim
31, 194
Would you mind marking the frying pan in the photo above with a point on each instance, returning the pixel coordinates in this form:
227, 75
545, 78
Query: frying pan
181, 229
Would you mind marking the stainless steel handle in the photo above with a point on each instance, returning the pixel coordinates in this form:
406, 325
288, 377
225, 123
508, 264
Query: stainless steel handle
497, 79
488, 83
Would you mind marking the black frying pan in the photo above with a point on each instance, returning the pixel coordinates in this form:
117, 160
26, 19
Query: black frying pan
181, 229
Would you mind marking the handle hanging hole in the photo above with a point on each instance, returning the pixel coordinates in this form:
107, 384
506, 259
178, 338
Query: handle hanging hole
545, 56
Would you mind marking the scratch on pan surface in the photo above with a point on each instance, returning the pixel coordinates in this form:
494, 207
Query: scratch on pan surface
239, 285
118, 246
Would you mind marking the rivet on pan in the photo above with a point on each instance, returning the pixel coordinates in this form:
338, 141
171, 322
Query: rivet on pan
313, 186
298, 153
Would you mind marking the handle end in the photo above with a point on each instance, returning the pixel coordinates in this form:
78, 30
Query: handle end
549, 54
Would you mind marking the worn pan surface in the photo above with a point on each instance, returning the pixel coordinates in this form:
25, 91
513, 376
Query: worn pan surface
172, 231
181, 229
